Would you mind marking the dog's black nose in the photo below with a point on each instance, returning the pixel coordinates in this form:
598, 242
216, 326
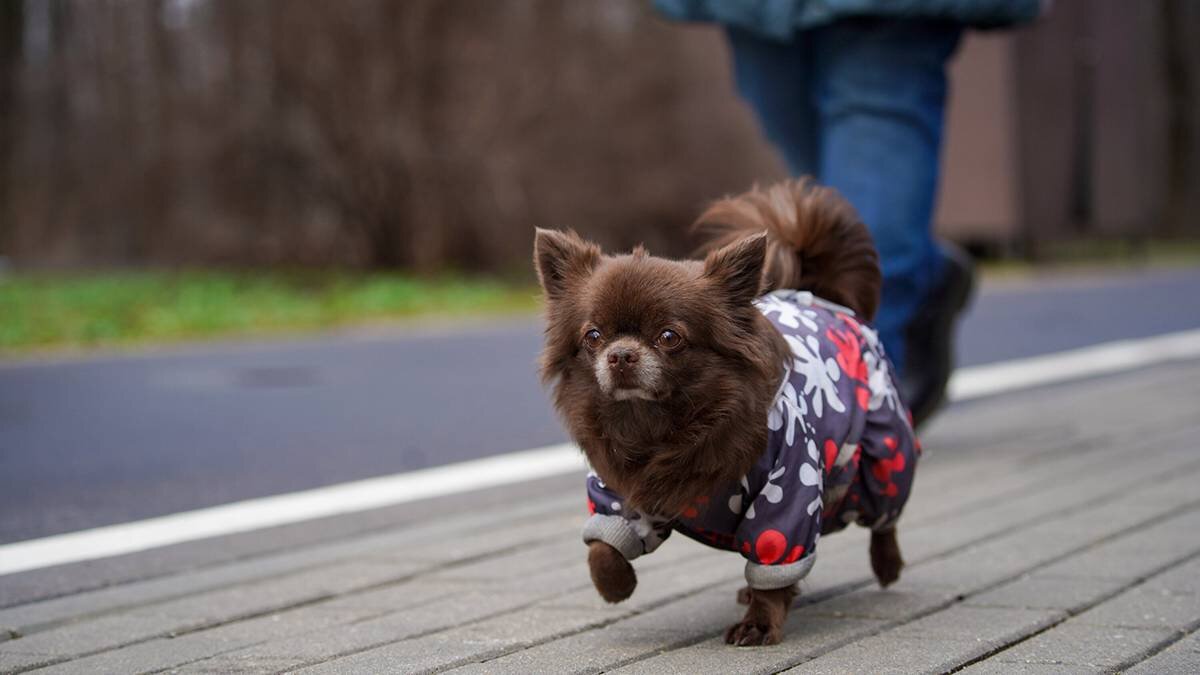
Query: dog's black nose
620, 358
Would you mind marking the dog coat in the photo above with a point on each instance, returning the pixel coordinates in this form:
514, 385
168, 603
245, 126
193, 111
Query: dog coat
841, 449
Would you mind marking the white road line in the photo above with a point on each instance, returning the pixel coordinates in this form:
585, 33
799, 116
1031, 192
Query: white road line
516, 467
293, 507
1073, 364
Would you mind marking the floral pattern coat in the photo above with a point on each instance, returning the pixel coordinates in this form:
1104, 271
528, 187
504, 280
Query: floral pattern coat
841, 450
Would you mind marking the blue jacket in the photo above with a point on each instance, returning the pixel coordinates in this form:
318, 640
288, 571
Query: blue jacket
780, 19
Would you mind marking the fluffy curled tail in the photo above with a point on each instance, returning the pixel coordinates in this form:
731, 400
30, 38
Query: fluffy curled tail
815, 241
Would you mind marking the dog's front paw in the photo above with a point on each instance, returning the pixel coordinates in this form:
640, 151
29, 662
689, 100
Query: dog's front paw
612, 574
763, 623
750, 633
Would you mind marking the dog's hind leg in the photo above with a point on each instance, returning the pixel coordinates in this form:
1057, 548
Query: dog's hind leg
885, 557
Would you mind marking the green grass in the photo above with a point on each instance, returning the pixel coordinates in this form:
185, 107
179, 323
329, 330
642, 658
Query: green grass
45, 311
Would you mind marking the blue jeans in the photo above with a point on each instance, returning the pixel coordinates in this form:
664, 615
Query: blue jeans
859, 104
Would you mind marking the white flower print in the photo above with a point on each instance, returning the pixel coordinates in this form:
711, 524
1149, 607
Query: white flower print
810, 476
772, 492
788, 408
649, 529
819, 374
845, 453
872, 337
735, 502
879, 382
790, 314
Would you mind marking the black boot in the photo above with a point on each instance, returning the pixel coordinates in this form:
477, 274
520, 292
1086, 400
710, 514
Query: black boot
929, 340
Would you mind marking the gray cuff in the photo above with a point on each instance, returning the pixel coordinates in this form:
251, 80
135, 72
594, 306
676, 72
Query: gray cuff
768, 577
614, 531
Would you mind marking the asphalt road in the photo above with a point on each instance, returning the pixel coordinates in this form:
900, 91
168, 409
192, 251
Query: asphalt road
90, 442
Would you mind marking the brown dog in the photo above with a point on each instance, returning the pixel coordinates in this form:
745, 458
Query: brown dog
750, 422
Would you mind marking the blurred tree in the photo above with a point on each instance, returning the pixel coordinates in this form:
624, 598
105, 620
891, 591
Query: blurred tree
1179, 20
12, 25
417, 134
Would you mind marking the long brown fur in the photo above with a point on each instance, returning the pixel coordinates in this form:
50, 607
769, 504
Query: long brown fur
661, 457
706, 423
816, 241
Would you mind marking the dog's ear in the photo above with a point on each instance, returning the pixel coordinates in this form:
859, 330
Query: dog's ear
738, 268
560, 258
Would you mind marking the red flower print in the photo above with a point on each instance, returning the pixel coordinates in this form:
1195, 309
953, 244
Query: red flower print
797, 551
863, 396
849, 355
831, 453
770, 546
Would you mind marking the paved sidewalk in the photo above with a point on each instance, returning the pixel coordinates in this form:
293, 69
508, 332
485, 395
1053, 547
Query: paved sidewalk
1050, 531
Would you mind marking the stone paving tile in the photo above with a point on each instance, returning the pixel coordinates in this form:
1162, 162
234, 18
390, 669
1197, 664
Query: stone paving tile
708, 609
879, 654
391, 598
13, 661
222, 605
90, 636
1028, 514
590, 652
1182, 579
395, 547
194, 611
256, 665
1083, 645
409, 656
804, 635
993, 626
1183, 658
147, 656
453, 610
450, 604
896, 603
1137, 555
935, 643
170, 652
477, 640
1146, 608
1012, 553
994, 667
1038, 591
1010, 477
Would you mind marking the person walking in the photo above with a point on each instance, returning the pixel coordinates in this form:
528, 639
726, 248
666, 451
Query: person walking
853, 93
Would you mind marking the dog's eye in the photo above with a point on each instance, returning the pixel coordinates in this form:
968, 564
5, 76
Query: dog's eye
668, 339
591, 339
